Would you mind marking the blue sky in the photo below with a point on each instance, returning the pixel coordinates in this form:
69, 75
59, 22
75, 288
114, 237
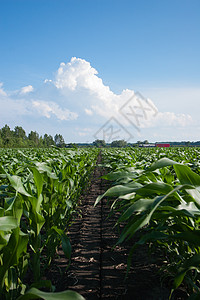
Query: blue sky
151, 47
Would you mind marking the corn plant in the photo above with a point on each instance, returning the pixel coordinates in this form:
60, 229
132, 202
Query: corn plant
162, 202
39, 194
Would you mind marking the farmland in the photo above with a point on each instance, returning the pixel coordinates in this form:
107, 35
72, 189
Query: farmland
39, 194
157, 195
47, 201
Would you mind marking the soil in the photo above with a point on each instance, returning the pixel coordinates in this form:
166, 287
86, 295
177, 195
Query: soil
97, 270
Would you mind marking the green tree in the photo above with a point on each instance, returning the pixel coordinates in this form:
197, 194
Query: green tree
59, 140
48, 140
19, 132
119, 143
99, 143
41, 142
20, 137
33, 139
7, 136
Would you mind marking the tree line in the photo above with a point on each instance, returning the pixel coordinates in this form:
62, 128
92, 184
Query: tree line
18, 138
117, 143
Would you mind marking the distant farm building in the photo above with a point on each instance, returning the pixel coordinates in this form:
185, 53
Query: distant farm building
162, 145
154, 145
147, 145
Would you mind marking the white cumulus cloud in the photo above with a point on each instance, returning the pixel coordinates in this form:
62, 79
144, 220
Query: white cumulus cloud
2, 92
47, 109
26, 89
166, 119
12, 110
77, 92
84, 131
89, 112
78, 75
47, 80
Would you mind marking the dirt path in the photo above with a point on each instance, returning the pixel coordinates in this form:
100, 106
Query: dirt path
97, 271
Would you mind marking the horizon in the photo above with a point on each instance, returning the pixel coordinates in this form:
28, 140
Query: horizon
26, 136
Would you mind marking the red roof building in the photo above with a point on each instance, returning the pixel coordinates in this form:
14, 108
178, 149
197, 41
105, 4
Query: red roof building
162, 145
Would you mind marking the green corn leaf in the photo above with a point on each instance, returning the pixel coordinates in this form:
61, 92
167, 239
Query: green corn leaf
154, 188
58, 230
144, 220
189, 236
186, 175
148, 189
2, 211
38, 178
4, 238
3, 187
128, 196
152, 236
138, 206
66, 246
194, 193
66, 295
16, 208
120, 174
11, 253
17, 184
161, 163
190, 207
189, 264
42, 167
16, 246
8, 223
36, 203
115, 191
141, 222
39, 221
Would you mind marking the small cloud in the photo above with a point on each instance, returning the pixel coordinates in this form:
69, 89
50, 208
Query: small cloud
48, 109
83, 131
47, 80
89, 112
13, 109
166, 119
2, 92
26, 89
174, 120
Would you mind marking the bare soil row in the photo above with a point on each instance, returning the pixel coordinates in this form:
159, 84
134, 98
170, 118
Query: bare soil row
97, 270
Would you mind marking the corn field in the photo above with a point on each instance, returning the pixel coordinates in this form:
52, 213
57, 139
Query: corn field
39, 192
156, 193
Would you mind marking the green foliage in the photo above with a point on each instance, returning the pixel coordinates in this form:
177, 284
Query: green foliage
157, 192
59, 140
119, 144
39, 192
17, 138
66, 295
99, 143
